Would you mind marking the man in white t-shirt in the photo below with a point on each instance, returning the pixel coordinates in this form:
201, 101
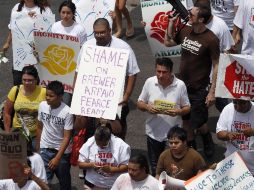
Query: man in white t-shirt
166, 89
138, 176
22, 179
104, 157
103, 37
225, 9
236, 128
55, 125
244, 26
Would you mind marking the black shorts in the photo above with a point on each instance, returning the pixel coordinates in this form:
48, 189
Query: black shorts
199, 111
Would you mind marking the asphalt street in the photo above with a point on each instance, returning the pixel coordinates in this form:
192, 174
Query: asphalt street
136, 137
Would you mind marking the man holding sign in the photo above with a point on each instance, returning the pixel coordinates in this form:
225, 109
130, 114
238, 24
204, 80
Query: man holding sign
165, 98
103, 37
236, 127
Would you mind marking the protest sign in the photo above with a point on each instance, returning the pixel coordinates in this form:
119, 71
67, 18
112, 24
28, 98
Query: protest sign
13, 153
101, 76
22, 28
88, 11
235, 78
155, 14
164, 105
58, 55
231, 173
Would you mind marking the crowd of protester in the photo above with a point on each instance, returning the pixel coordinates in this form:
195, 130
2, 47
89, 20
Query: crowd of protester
214, 27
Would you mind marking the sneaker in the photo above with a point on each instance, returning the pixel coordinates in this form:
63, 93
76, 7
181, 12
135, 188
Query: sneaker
208, 144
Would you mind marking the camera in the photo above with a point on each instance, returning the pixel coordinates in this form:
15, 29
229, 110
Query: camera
178, 6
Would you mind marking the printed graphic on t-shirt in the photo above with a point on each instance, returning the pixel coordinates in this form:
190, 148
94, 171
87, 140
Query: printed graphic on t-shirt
29, 118
175, 170
104, 158
191, 46
219, 5
52, 119
241, 141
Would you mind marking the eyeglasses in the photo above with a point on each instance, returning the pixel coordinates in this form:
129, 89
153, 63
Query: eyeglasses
28, 81
102, 34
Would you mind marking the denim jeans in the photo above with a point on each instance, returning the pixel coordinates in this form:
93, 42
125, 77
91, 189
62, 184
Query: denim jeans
62, 170
154, 148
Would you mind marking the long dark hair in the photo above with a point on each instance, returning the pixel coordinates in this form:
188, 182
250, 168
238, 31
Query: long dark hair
40, 3
70, 5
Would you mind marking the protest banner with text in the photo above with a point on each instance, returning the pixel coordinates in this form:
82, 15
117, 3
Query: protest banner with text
13, 154
22, 28
155, 14
58, 55
231, 173
235, 77
100, 80
88, 11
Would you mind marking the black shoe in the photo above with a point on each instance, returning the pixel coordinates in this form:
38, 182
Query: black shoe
192, 144
208, 144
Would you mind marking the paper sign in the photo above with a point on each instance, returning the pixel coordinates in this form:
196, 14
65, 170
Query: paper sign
90, 10
99, 83
164, 105
155, 14
58, 57
231, 173
13, 154
234, 78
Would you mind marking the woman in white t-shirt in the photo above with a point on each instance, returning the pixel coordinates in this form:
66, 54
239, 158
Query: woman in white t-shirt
104, 157
67, 25
32, 8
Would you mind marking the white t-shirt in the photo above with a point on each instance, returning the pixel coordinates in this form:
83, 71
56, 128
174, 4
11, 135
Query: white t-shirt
27, 10
244, 19
117, 153
158, 125
132, 65
231, 120
224, 9
8, 184
76, 30
54, 121
37, 166
221, 30
124, 182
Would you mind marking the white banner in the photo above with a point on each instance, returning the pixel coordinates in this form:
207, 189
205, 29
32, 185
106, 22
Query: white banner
231, 173
90, 10
235, 77
155, 14
100, 81
22, 28
58, 55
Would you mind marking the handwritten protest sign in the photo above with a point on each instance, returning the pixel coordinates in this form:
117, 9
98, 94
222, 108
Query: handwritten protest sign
88, 11
58, 56
235, 77
99, 82
231, 173
155, 14
22, 28
13, 153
